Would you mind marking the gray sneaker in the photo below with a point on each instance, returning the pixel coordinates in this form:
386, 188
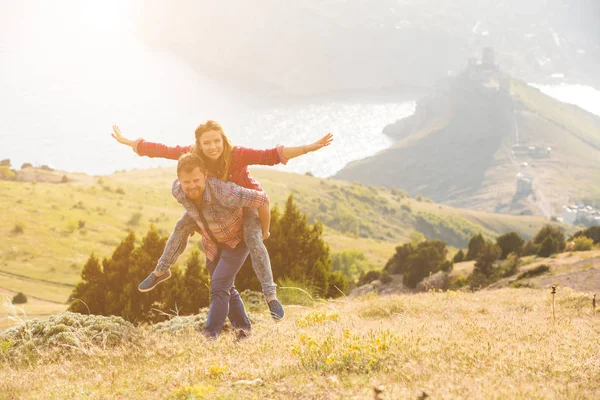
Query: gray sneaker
152, 280
276, 309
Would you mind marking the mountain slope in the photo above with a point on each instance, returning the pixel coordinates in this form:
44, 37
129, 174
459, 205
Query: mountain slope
470, 137
50, 229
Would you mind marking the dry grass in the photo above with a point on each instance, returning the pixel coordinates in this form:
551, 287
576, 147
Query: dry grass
485, 345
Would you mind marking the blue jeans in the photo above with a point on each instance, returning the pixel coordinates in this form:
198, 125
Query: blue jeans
225, 301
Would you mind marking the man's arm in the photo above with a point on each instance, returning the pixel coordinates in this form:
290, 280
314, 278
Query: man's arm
177, 242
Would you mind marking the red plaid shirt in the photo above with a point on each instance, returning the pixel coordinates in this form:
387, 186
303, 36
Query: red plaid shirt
241, 158
222, 208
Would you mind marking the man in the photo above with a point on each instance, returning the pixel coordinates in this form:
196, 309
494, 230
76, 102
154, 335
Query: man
215, 207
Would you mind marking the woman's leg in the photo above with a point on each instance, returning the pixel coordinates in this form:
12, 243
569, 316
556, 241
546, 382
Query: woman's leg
261, 262
222, 276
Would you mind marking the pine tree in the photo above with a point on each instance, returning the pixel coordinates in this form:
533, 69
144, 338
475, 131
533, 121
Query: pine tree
89, 295
510, 242
297, 252
476, 246
196, 285
459, 256
116, 273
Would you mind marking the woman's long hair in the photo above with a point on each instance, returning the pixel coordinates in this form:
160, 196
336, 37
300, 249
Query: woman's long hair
220, 168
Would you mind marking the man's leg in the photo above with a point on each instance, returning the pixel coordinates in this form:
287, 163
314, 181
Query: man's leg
237, 311
222, 276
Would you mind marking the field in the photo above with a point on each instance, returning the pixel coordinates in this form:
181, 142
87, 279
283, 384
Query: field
492, 344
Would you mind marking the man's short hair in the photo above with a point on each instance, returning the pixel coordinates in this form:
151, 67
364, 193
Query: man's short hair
190, 161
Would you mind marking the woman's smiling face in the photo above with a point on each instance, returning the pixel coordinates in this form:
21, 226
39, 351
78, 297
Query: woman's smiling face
211, 144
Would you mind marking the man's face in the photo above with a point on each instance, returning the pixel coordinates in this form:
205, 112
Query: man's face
193, 183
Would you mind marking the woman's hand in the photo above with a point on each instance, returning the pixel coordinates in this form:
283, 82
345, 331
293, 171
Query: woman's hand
120, 138
266, 235
319, 144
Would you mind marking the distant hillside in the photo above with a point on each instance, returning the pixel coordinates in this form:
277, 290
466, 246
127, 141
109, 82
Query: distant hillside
50, 228
472, 135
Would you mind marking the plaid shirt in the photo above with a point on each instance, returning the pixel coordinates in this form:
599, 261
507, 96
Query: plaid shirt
222, 208
241, 158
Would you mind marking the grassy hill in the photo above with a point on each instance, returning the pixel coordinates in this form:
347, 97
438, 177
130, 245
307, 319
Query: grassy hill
485, 345
470, 138
51, 228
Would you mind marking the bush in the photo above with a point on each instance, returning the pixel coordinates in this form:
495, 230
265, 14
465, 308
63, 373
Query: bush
64, 179
385, 277
510, 242
135, 219
486, 259
427, 258
529, 249
548, 247
583, 243
19, 298
539, 270
553, 232
592, 233
68, 332
475, 247
510, 266
7, 174
369, 277
26, 165
120, 190
459, 256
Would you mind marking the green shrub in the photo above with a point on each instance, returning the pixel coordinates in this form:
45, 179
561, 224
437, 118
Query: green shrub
385, 277
7, 174
529, 249
591, 232
459, 256
510, 242
539, 270
553, 232
19, 298
369, 277
548, 247
510, 266
135, 219
583, 243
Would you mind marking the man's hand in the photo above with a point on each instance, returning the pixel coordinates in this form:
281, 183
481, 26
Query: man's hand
319, 144
120, 138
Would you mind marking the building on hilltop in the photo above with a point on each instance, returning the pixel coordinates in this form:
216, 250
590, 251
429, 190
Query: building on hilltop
524, 185
581, 214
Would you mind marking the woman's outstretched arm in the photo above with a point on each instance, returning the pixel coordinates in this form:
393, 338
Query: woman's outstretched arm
150, 149
293, 152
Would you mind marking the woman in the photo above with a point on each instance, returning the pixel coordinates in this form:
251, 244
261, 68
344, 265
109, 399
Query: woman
230, 163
